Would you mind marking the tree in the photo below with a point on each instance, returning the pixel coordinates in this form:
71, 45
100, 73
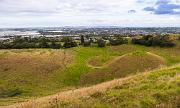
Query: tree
82, 39
101, 43
43, 42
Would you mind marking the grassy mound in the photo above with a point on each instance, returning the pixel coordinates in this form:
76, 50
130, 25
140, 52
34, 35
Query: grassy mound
157, 89
24, 72
124, 65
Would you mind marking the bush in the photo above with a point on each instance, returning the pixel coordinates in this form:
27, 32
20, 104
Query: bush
12, 92
101, 43
167, 44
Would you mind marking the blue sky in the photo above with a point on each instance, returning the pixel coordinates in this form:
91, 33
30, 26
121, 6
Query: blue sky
123, 13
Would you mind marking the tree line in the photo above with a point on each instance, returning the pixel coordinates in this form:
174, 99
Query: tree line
67, 42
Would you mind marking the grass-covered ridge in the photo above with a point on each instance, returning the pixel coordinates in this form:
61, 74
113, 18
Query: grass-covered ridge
124, 66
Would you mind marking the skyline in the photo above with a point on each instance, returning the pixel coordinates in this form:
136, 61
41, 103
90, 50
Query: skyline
89, 13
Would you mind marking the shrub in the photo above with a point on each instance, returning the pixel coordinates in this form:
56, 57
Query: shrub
167, 44
101, 43
10, 92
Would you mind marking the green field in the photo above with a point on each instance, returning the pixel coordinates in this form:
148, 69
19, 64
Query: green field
29, 73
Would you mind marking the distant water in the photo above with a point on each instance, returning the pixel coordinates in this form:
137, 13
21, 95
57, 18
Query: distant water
15, 33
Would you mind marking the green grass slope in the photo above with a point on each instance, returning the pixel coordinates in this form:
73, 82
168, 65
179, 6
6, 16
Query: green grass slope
157, 89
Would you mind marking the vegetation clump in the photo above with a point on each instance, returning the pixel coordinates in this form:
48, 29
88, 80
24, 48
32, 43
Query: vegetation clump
12, 92
27, 42
149, 40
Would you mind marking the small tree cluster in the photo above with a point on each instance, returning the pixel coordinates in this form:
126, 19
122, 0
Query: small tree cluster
149, 40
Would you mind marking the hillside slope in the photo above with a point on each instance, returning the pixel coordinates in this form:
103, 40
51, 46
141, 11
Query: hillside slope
123, 66
158, 88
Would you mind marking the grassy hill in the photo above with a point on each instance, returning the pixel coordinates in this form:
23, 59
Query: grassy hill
153, 89
156, 89
32, 73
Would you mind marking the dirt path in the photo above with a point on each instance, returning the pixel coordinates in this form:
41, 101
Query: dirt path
108, 63
117, 58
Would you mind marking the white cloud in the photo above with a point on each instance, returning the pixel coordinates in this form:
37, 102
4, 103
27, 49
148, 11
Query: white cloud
23, 13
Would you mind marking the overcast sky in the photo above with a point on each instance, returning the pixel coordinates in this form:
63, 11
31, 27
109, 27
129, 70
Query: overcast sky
123, 13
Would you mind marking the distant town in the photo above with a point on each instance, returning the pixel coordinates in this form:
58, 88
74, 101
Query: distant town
76, 32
